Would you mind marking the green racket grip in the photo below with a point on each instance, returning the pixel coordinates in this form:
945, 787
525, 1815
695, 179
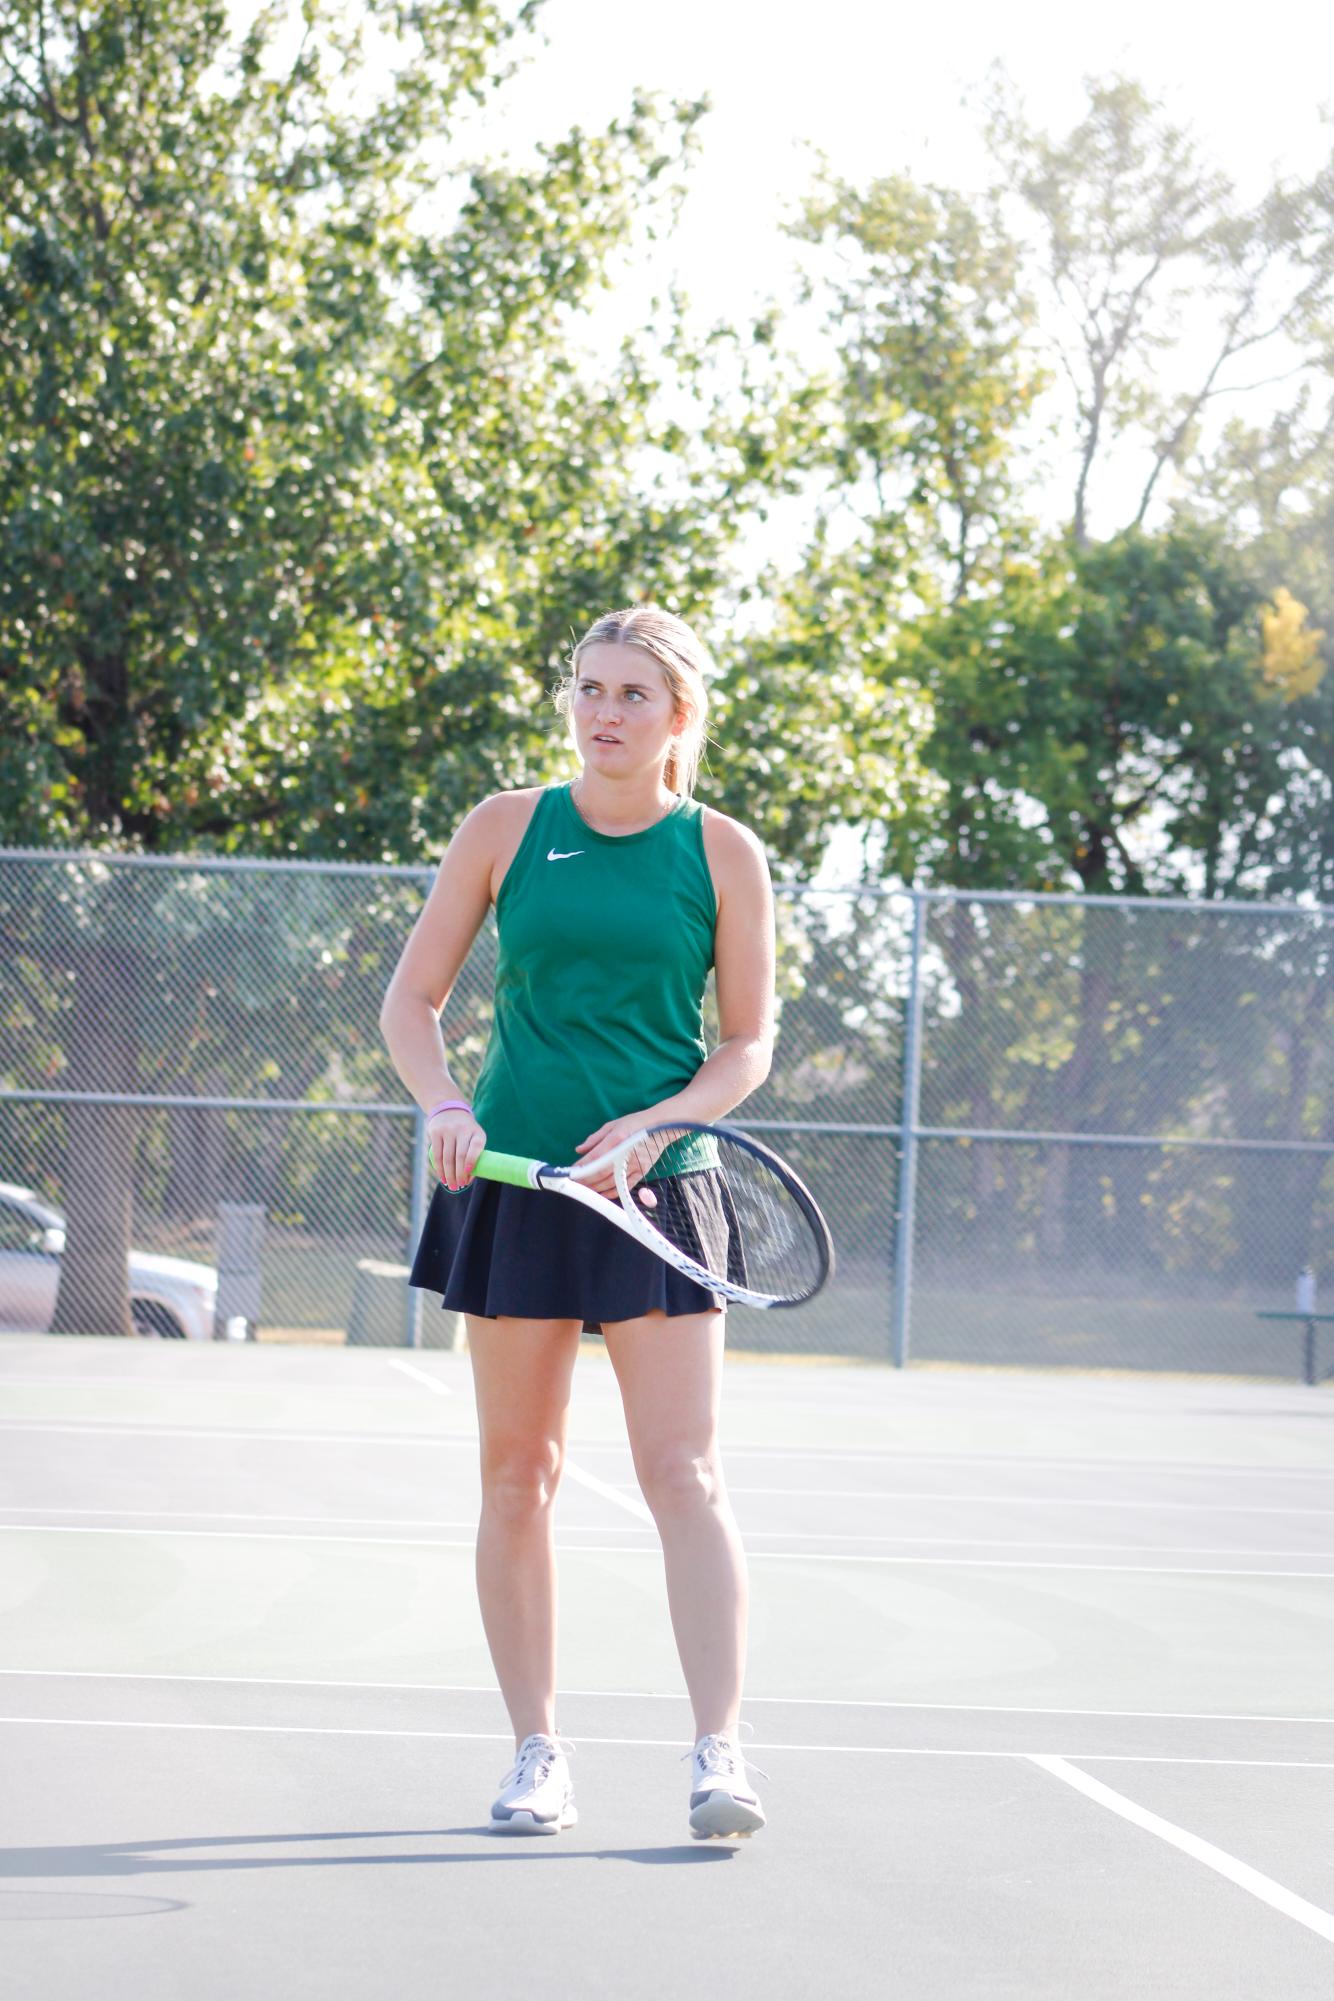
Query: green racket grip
513, 1167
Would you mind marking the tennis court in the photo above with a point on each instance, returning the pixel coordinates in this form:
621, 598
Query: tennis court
1039, 1672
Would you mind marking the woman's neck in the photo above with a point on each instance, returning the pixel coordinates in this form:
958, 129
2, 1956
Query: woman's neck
610, 808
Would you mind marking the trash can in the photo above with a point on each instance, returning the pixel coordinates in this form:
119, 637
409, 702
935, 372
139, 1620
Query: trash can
236, 1315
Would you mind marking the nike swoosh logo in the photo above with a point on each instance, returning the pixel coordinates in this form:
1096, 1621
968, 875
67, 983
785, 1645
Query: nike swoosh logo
552, 856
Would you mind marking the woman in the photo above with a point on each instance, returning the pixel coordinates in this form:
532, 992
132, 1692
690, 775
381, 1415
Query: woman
613, 896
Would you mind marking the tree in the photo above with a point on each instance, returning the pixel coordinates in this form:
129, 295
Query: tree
816, 729
904, 447
1271, 486
1119, 722
934, 379
286, 458
1101, 723
1134, 227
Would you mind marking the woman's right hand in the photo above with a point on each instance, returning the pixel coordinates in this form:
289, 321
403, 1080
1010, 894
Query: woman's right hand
454, 1140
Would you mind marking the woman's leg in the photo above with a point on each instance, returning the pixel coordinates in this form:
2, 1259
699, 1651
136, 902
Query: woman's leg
670, 1373
521, 1372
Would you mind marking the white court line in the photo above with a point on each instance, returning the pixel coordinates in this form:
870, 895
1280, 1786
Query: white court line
731, 1451
636, 1507
229, 1433
418, 1376
226, 1515
632, 1503
1264, 1887
629, 1549
1048, 1760
1019, 1461
665, 1695
1020, 1542
1160, 1758
207, 1386
992, 1500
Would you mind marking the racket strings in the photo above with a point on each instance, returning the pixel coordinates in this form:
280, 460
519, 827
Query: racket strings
727, 1209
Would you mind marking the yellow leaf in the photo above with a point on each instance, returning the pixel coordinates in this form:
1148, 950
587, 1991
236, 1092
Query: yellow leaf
1290, 662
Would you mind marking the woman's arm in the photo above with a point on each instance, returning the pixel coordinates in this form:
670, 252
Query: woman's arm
437, 946
743, 968
743, 963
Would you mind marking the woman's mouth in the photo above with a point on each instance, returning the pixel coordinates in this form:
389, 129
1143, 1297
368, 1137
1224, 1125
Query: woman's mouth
606, 739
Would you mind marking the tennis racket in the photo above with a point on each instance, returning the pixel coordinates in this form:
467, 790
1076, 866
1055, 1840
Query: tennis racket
712, 1202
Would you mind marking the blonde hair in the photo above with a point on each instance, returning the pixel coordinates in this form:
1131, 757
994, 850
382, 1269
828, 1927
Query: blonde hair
684, 660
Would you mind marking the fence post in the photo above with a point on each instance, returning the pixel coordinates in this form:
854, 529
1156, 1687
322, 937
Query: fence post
420, 1170
908, 1115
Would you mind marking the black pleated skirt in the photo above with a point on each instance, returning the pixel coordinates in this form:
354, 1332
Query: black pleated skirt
492, 1248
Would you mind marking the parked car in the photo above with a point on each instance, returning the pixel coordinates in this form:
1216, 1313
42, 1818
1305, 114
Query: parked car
170, 1298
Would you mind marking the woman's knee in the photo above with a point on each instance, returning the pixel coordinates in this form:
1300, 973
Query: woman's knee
521, 1479
676, 1477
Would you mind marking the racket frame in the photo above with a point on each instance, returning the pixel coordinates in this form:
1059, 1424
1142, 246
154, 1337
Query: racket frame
524, 1172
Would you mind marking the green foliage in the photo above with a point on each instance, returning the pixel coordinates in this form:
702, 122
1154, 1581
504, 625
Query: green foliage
812, 727
305, 482
1102, 722
1273, 485
935, 374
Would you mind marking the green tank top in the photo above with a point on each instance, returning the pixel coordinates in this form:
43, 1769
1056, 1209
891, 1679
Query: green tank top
605, 945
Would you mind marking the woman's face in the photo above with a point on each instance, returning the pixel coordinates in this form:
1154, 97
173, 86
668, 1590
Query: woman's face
622, 710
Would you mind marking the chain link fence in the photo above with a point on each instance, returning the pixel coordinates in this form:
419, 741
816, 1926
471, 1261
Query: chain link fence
1044, 1129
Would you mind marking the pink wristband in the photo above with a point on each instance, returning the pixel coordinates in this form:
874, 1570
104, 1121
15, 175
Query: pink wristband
450, 1105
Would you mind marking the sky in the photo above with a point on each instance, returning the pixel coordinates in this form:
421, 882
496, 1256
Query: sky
882, 89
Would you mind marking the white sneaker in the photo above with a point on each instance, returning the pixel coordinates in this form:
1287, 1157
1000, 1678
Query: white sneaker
721, 1800
536, 1794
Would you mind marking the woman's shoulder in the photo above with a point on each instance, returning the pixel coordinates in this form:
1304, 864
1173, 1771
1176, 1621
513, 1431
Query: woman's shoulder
729, 839
499, 823
495, 828
517, 803
737, 861
501, 814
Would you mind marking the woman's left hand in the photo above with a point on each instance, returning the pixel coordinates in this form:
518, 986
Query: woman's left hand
606, 1139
